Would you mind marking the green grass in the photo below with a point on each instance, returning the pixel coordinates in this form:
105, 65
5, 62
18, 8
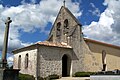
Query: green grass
25, 77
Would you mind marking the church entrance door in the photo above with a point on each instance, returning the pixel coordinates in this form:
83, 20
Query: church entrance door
66, 64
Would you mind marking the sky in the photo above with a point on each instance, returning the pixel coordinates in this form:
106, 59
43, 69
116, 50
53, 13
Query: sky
33, 19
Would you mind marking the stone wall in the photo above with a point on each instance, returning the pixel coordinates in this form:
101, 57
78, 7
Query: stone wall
32, 61
93, 58
73, 38
50, 61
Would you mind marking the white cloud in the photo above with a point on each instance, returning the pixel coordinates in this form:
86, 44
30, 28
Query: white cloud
10, 61
107, 28
25, 1
33, 1
95, 10
29, 17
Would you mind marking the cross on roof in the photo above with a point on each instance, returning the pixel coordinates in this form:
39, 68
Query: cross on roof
64, 3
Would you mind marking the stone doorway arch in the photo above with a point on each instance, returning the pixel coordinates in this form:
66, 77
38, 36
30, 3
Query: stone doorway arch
66, 65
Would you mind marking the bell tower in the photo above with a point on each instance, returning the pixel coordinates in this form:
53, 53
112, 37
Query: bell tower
66, 27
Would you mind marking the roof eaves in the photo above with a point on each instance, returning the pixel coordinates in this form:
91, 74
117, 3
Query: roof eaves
102, 43
24, 47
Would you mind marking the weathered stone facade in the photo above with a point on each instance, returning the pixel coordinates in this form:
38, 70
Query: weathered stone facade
95, 56
50, 61
32, 65
66, 51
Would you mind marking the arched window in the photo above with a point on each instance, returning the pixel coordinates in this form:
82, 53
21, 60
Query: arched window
66, 26
26, 61
58, 29
104, 59
19, 61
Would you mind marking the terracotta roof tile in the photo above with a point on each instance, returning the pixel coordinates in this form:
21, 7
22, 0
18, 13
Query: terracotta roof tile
102, 43
54, 44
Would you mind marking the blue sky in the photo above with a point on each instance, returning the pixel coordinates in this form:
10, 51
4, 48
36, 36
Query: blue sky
33, 19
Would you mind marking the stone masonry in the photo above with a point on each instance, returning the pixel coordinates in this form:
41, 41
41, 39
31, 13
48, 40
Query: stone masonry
66, 51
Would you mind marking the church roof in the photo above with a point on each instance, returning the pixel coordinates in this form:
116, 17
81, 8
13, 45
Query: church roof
45, 43
54, 44
102, 43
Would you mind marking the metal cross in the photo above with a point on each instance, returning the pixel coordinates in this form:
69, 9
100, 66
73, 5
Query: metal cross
64, 3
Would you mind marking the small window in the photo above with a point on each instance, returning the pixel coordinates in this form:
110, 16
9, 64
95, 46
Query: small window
58, 26
58, 29
104, 57
66, 28
66, 24
19, 61
104, 60
26, 61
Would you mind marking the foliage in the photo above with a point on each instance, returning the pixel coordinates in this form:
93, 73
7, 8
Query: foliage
54, 76
29, 77
114, 72
25, 77
40, 78
83, 74
50, 77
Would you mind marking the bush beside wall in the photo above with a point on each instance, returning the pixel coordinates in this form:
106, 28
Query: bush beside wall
54, 76
83, 74
29, 77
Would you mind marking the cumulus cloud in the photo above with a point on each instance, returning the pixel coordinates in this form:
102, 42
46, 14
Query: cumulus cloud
28, 17
107, 29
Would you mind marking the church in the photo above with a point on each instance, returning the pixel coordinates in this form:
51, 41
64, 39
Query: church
66, 51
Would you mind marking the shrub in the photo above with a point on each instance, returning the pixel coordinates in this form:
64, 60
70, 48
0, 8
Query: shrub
83, 74
25, 77
109, 73
50, 77
54, 76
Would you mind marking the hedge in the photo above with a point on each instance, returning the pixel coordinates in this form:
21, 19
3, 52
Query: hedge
29, 77
83, 74
54, 76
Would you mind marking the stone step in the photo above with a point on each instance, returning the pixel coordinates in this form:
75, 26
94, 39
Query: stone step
74, 78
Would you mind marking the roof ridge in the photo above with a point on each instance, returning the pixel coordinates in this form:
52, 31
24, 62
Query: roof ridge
103, 43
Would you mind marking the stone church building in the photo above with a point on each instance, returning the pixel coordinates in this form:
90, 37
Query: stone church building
66, 51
